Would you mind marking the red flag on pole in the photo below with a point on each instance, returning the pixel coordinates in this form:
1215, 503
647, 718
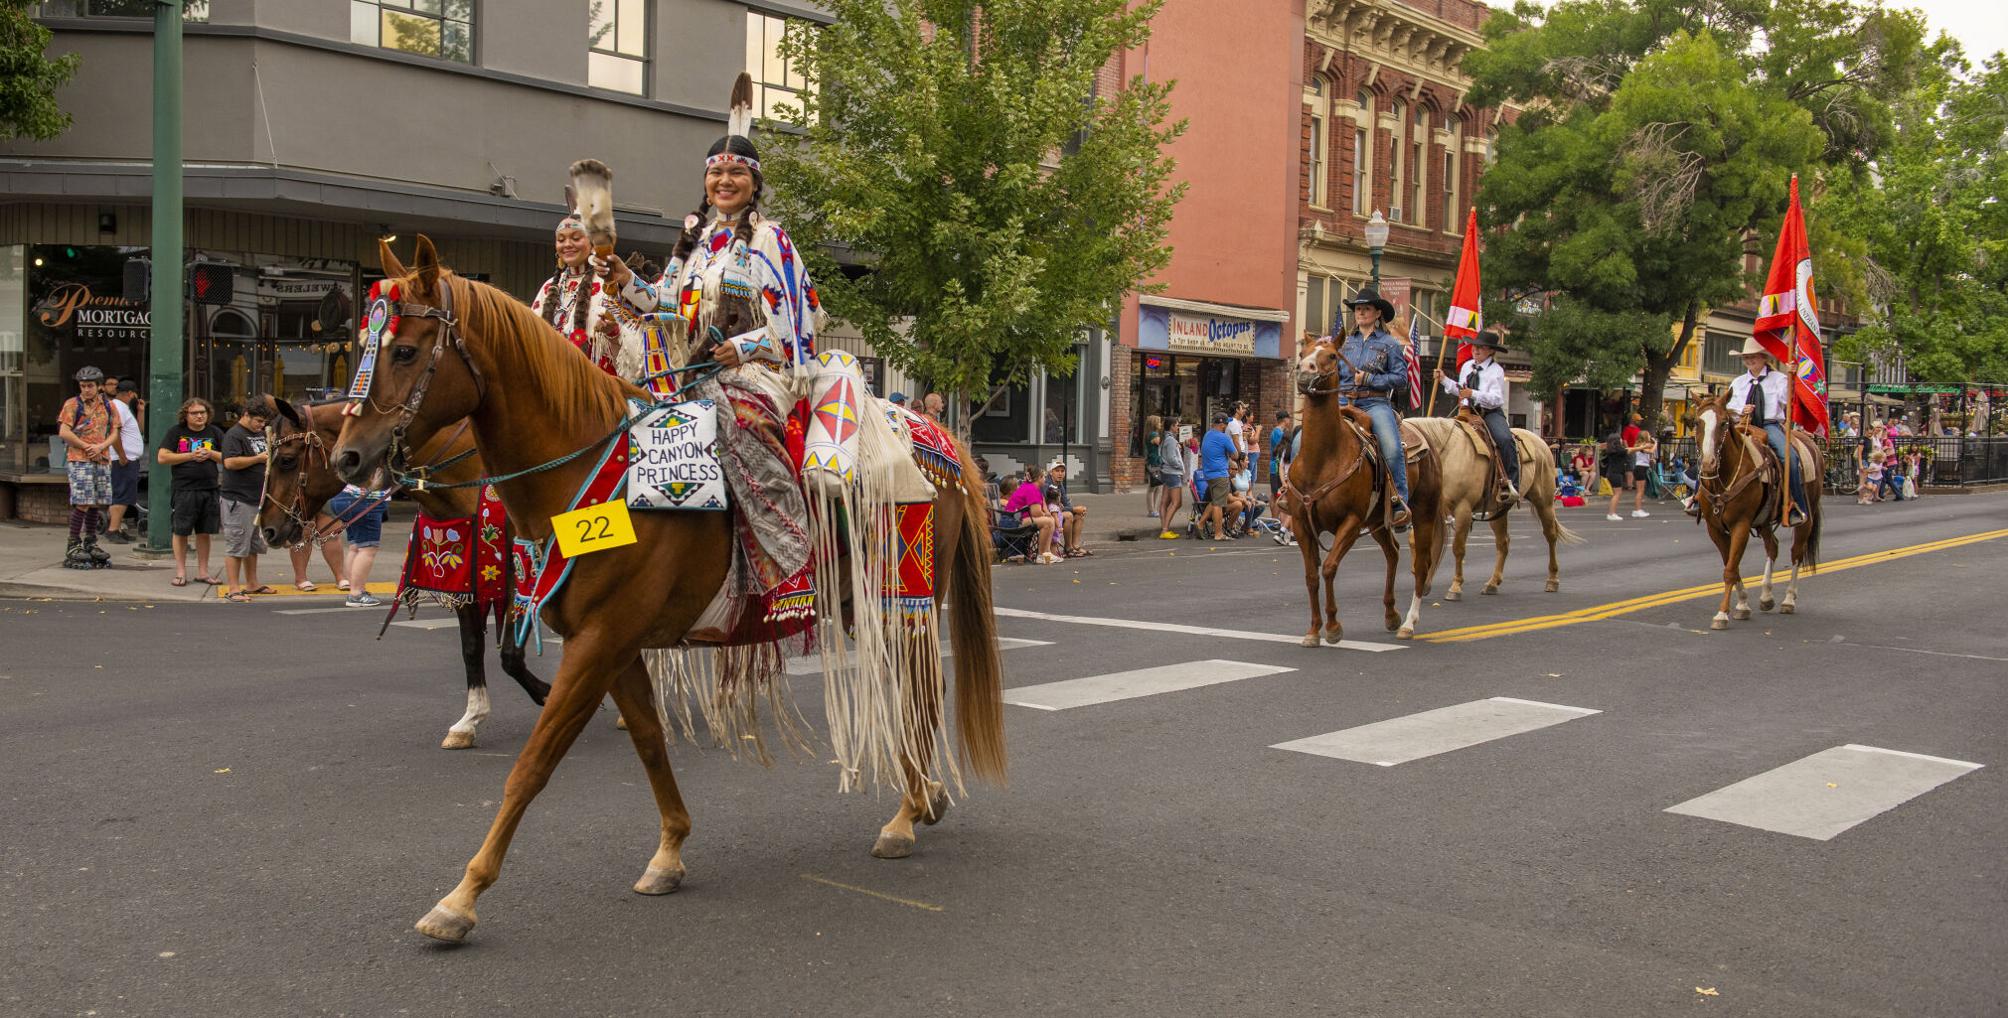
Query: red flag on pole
1466, 318
1788, 319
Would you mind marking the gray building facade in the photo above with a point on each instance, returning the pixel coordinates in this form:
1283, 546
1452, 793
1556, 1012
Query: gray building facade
314, 127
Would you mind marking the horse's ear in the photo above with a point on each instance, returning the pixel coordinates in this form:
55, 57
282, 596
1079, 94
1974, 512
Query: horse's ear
392, 268
290, 413
427, 259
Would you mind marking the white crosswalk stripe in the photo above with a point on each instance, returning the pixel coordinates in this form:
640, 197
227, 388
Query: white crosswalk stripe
813, 665
1094, 689
1824, 794
1173, 627
1400, 740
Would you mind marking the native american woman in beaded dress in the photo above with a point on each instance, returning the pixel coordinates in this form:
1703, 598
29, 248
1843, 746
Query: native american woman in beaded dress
577, 304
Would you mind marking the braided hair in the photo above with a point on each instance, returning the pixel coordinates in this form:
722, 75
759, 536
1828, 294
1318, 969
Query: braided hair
693, 230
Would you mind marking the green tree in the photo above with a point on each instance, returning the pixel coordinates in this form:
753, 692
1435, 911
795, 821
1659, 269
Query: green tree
1935, 229
29, 77
1000, 202
1655, 151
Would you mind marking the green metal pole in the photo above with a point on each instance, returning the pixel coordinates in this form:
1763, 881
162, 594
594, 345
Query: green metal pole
1376, 253
165, 353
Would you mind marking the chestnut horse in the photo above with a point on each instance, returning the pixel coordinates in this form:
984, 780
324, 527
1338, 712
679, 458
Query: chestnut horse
1735, 499
1332, 490
464, 349
299, 480
1466, 463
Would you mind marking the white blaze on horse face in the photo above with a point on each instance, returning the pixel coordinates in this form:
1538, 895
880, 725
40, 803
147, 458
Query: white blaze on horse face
1708, 440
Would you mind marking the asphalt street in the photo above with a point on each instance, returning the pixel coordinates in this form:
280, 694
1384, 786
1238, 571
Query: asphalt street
214, 809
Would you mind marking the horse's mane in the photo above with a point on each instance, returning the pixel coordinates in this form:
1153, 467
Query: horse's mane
582, 396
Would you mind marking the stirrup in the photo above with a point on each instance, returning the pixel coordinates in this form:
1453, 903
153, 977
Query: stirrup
1398, 514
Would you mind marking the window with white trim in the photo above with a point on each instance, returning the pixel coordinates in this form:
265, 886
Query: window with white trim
1418, 164
775, 80
1453, 218
1314, 100
1397, 145
432, 28
617, 45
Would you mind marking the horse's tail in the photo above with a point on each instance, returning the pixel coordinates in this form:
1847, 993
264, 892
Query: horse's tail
1564, 535
972, 633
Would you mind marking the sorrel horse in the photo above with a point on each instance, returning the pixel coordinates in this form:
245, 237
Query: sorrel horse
299, 480
1332, 490
1736, 498
463, 349
1467, 470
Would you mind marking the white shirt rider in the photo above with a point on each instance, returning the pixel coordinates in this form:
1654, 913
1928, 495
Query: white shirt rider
1486, 380
1772, 383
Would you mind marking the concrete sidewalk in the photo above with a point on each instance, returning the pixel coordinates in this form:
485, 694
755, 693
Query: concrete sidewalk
31, 565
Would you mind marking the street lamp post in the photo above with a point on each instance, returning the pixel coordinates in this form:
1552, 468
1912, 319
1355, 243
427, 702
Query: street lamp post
1376, 243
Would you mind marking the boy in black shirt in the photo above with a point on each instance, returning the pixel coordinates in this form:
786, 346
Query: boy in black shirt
242, 485
193, 448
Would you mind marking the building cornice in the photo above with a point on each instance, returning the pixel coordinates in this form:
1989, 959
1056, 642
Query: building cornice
1394, 33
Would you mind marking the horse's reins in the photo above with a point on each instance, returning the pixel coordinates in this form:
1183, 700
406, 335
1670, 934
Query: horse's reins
1309, 499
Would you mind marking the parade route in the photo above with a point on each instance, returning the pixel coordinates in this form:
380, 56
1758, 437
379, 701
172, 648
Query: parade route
1803, 813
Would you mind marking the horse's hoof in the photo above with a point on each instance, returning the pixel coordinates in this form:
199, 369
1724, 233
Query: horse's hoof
1453, 595
1554, 585
1490, 588
457, 740
892, 846
443, 923
937, 807
620, 722
1333, 636
1311, 640
1741, 615
1719, 623
1788, 608
1404, 633
659, 881
1766, 603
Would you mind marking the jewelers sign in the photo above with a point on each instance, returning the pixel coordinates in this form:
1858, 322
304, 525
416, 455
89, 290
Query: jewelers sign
1206, 334
673, 459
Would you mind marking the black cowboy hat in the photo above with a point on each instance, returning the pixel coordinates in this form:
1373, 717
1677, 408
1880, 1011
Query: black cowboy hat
1371, 296
1489, 340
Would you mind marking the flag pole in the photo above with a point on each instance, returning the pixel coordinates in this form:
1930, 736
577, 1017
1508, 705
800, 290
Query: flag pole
1434, 385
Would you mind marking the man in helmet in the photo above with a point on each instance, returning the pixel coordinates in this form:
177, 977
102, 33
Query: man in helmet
85, 423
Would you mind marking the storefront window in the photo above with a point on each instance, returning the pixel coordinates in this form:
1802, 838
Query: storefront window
1062, 416
287, 332
77, 315
13, 310
1007, 418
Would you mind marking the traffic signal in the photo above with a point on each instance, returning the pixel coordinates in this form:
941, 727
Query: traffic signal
212, 283
138, 280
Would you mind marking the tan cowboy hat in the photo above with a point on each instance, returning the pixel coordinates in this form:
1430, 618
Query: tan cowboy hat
1753, 348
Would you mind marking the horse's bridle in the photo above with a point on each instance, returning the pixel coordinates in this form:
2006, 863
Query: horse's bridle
407, 409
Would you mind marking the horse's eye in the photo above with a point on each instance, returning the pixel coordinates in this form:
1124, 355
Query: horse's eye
404, 354
287, 462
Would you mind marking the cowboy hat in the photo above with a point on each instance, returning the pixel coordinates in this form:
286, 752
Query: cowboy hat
1371, 297
1488, 339
1752, 348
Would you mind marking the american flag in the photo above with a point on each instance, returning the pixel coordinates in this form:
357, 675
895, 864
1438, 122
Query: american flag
1414, 364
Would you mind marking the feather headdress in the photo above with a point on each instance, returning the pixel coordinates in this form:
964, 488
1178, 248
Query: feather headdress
592, 194
737, 146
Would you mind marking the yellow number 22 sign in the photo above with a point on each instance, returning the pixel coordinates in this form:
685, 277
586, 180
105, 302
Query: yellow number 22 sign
594, 528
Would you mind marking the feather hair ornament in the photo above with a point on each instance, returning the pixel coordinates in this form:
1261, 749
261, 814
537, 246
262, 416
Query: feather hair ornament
739, 117
592, 192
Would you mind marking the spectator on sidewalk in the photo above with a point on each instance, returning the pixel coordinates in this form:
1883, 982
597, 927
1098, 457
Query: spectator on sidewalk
1237, 427
128, 464
1170, 480
1028, 503
1071, 516
365, 512
241, 486
1215, 476
191, 450
87, 427
933, 405
992, 497
301, 555
1152, 463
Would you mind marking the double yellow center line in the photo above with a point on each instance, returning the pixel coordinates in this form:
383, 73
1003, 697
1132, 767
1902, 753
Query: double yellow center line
1616, 608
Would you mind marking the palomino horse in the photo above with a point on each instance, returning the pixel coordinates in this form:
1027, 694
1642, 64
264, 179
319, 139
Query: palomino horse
463, 349
1466, 463
299, 481
1331, 491
1735, 498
